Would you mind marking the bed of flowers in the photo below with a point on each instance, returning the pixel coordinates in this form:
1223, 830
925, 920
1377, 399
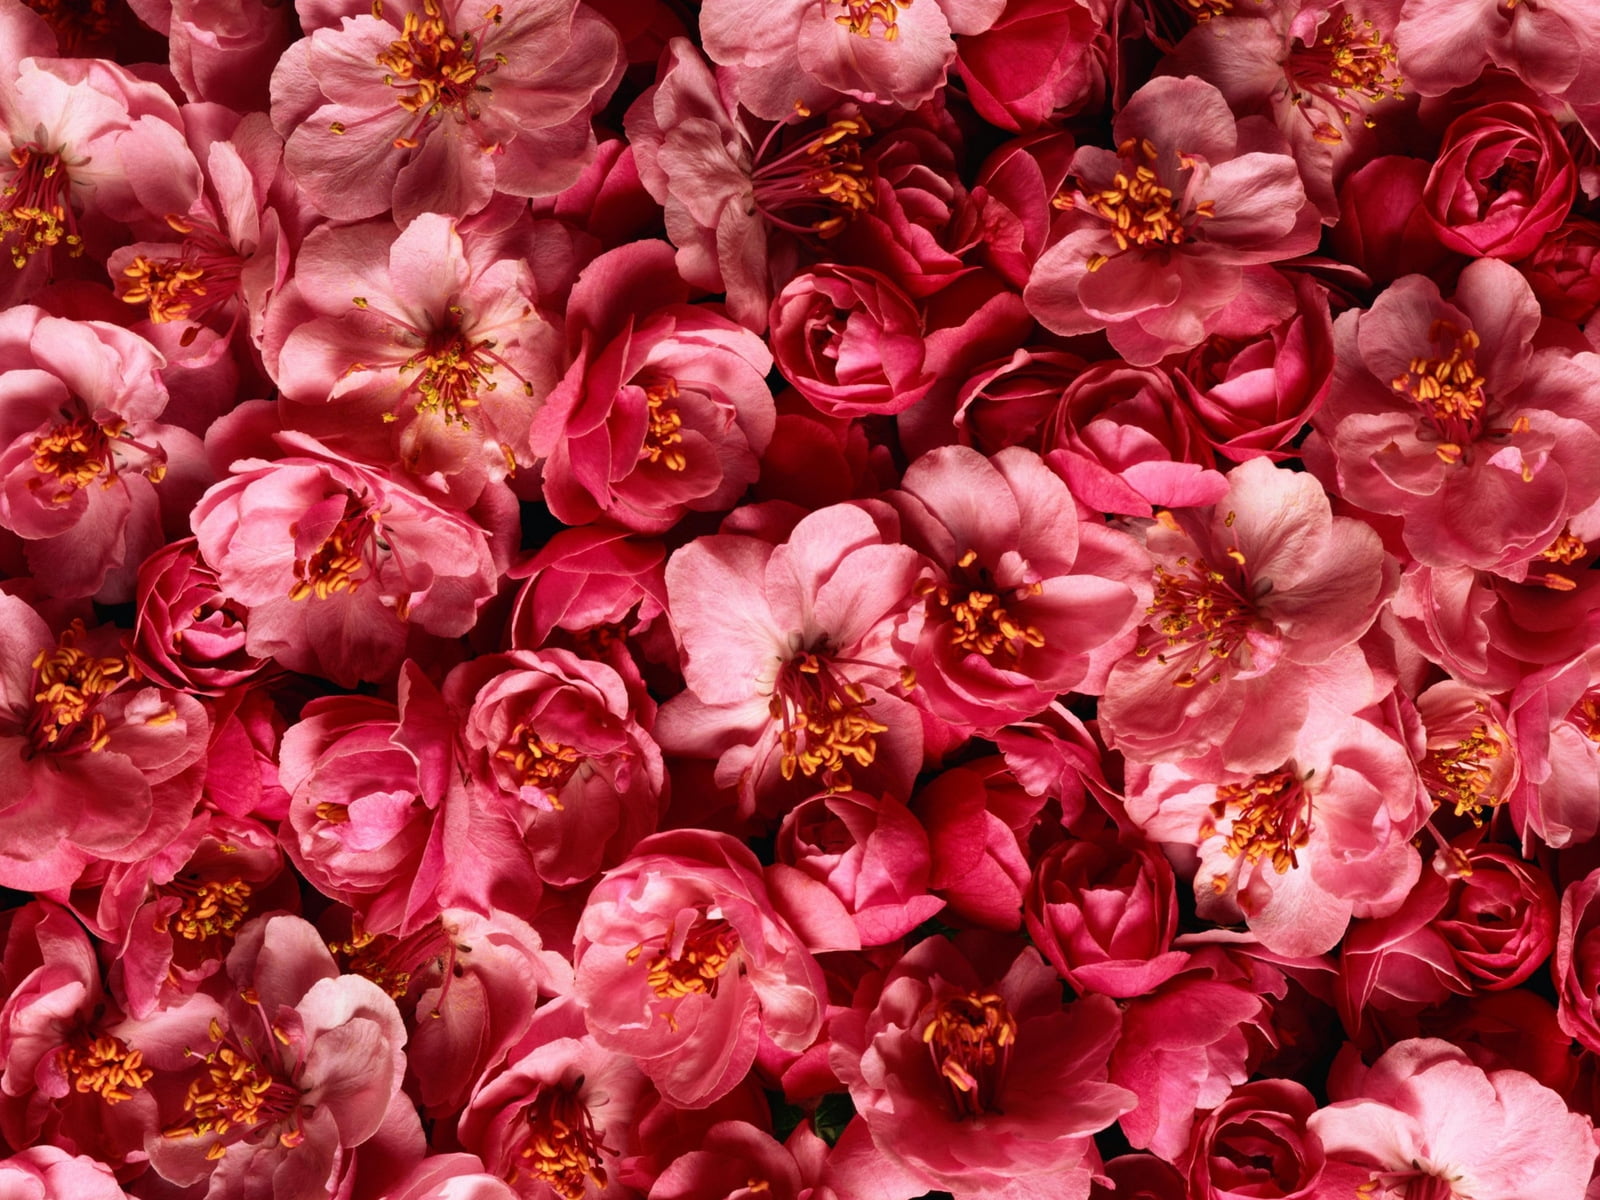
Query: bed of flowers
799, 599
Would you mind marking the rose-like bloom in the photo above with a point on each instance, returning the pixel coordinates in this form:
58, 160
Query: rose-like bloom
551, 740
1418, 1122
683, 963
664, 409
93, 765
1500, 921
450, 1177
591, 580
1125, 443
1163, 232
298, 1066
870, 852
1257, 602
335, 561
1138, 1177
417, 346
1104, 913
434, 106
734, 1155
1446, 414
1016, 188
1383, 230
1448, 43
982, 1087
787, 656
187, 635
1027, 600
1503, 181
978, 817
1040, 60
1006, 403
1564, 271
1255, 1144
48, 1173
1400, 962
1576, 965
1552, 716
221, 53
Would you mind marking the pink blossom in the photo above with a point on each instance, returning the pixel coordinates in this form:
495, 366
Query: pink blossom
1418, 1121
1576, 967
1040, 59
1564, 271
1210, 209
1255, 1144
1556, 797
683, 963
436, 106
978, 818
1447, 43
590, 580
1015, 191
664, 407
188, 635
221, 53
450, 1177
49, 1173
965, 1083
1383, 229
1398, 963
1257, 602
736, 1155
1006, 403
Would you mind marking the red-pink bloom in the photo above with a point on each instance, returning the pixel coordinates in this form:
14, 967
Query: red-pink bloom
1398, 963
981, 1086
49, 1173
1006, 403
1155, 258
436, 106
420, 347
1039, 60
1576, 966
1446, 414
450, 1177
870, 852
1552, 715
1028, 600
1502, 183
1383, 230
1418, 1122
1255, 1144
591, 580
1564, 271
683, 963
1104, 913
787, 656
221, 53
93, 765
337, 562
978, 818
553, 742
664, 408
1500, 920
1015, 191
1257, 603
187, 635
734, 1155
302, 1066
1447, 43
1126, 443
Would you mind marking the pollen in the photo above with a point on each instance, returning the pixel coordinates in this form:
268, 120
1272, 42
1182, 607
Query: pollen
435, 69
560, 1147
1197, 607
1447, 387
538, 762
970, 1036
105, 1066
697, 966
35, 206
69, 684
1462, 774
211, 909
1271, 818
335, 565
663, 435
823, 722
869, 18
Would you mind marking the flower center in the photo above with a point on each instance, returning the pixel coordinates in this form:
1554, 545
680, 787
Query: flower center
560, 1145
332, 567
68, 685
1585, 715
201, 275
435, 69
35, 209
538, 762
392, 962
1140, 210
1198, 608
73, 454
237, 1090
1271, 818
211, 908
106, 1066
1463, 774
823, 176
864, 17
663, 435
823, 722
693, 967
1449, 390
970, 1037
1346, 63
979, 622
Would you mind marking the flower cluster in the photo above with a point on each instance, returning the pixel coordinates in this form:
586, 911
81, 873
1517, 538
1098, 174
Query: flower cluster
799, 599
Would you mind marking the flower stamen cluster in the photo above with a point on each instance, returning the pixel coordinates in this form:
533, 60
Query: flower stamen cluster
1271, 818
105, 1066
970, 1038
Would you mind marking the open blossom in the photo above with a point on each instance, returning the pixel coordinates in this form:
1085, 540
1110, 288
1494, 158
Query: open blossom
1447, 43
983, 1087
48, 1173
1256, 604
436, 105
1162, 233
683, 962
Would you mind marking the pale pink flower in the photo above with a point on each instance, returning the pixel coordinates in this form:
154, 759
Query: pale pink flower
436, 105
1424, 1120
49, 1173
221, 53
1164, 232
683, 962
1552, 716
1447, 43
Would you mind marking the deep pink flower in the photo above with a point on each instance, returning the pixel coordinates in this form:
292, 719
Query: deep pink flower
187, 634
1006, 403
965, 1083
1576, 966
1398, 963
1383, 230
1015, 192
1257, 602
1255, 1144
736, 1155
1552, 715
590, 580
1418, 1122
221, 53
1564, 271
683, 963
978, 818
1154, 258
434, 106
1500, 920
664, 407
1039, 60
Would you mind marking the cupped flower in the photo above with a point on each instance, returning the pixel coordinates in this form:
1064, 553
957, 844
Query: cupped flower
977, 1086
664, 408
1257, 601
187, 635
50, 1173
1161, 231
1448, 43
1576, 966
436, 105
1255, 1143
1446, 414
683, 963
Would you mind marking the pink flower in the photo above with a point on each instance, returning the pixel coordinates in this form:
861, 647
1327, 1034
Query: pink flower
1006, 403
1577, 962
1500, 922
787, 656
1256, 603
1564, 271
1015, 191
1202, 215
1255, 1143
48, 1173
978, 1086
1418, 1122
664, 408
870, 852
1028, 600
1551, 715
683, 963
189, 636
336, 562
1447, 43
1446, 414
221, 53
436, 106
590, 580
1040, 59
735, 1155
420, 347
978, 818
